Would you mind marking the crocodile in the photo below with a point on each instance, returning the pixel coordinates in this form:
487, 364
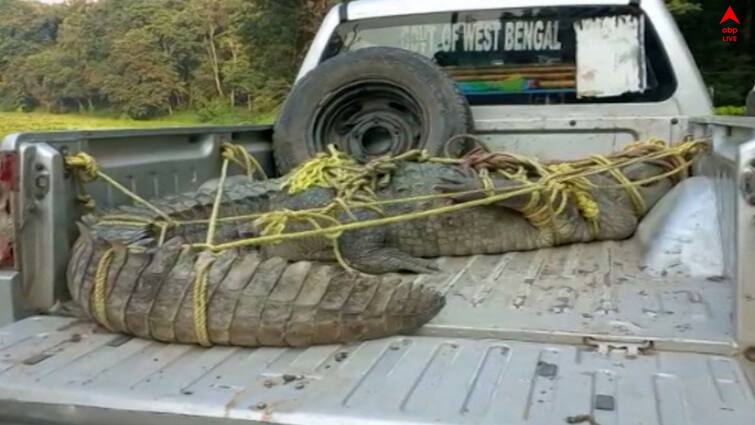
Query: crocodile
290, 293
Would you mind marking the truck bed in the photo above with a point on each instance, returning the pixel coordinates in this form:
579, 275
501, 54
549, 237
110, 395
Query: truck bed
62, 371
496, 354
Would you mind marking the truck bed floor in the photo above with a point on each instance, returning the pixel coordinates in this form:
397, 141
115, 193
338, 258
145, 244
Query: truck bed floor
666, 284
597, 289
62, 371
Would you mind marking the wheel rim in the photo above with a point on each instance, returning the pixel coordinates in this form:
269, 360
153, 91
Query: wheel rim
370, 119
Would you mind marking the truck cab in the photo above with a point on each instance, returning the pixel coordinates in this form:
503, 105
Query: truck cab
561, 79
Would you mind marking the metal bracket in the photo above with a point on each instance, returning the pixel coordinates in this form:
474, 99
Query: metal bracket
631, 349
747, 182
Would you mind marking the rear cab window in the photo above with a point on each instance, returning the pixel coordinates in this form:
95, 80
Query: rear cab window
528, 56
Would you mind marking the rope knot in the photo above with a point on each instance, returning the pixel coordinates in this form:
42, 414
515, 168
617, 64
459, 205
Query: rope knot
487, 182
241, 157
85, 166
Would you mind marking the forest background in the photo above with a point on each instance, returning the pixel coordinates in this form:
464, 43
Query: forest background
106, 63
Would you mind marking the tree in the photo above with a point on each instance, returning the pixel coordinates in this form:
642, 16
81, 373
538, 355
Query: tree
25, 29
141, 81
240, 80
81, 49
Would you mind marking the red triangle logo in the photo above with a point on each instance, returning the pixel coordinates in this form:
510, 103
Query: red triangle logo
729, 15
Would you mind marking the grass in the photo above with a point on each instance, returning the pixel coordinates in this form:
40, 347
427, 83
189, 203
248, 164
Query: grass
15, 122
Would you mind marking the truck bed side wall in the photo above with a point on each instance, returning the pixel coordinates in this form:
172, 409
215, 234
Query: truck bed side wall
733, 150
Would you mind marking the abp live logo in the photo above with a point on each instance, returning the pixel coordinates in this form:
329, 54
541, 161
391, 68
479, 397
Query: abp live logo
729, 32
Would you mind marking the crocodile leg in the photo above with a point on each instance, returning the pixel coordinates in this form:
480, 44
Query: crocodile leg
389, 260
367, 251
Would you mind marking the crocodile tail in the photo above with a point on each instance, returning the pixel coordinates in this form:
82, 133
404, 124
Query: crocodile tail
248, 300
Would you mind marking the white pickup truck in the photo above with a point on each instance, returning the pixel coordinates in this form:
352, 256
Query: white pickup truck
657, 329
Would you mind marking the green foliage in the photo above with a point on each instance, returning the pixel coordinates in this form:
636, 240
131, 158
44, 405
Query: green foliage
25, 28
213, 110
730, 110
683, 7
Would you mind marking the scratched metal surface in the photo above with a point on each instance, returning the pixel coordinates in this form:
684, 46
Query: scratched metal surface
59, 370
667, 284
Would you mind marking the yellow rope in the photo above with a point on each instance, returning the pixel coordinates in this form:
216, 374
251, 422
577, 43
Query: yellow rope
325, 170
276, 222
100, 288
586, 168
231, 153
552, 198
487, 182
589, 209
241, 157
679, 150
216, 205
199, 310
335, 170
88, 170
635, 196
199, 305
579, 189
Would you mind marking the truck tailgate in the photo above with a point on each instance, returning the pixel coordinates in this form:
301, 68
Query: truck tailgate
61, 370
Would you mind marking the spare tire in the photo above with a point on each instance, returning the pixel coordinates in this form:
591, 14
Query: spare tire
369, 103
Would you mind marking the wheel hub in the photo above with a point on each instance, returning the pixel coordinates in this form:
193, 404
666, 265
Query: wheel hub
369, 120
378, 134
